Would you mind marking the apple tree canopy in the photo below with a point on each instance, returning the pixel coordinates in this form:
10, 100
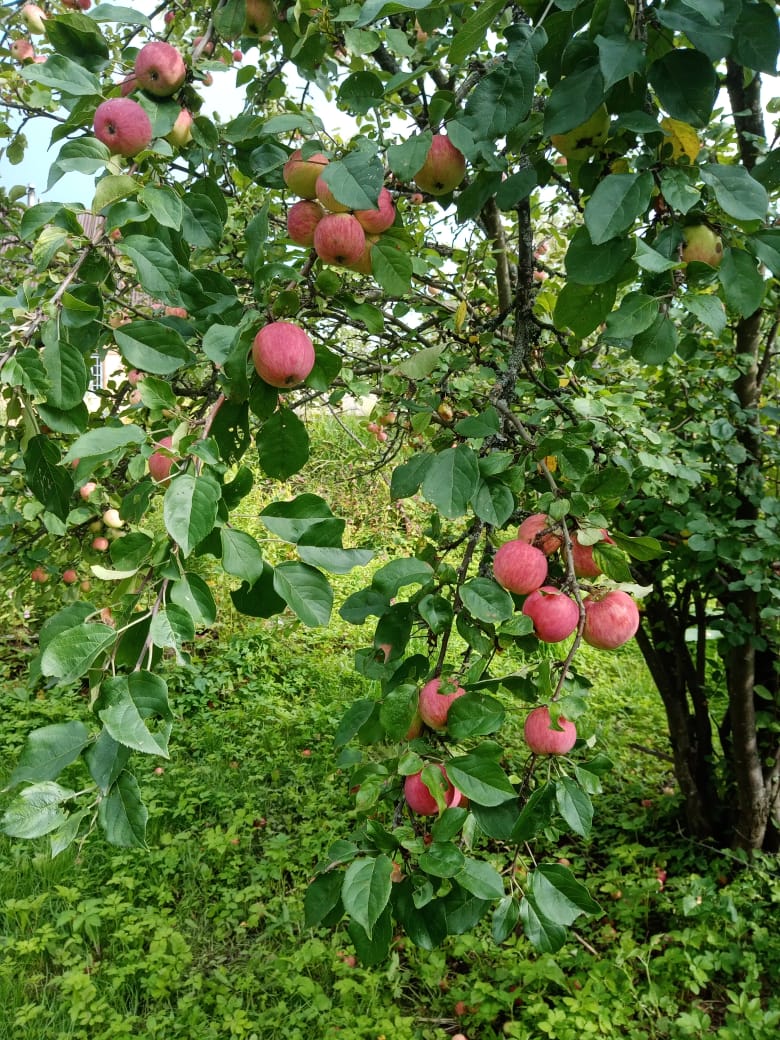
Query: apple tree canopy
574, 313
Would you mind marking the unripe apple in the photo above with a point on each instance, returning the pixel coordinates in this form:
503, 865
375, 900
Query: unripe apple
444, 167
543, 740
95, 527
161, 463
159, 68
180, 133
339, 239
100, 544
85, 585
33, 17
375, 221
584, 140
531, 531
260, 16
700, 243
39, 575
519, 567
364, 263
283, 354
111, 518
611, 619
327, 199
419, 798
300, 175
86, 489
123, 126
70, 577
582, 555
436, 696
22, 50
302, 218
554, 614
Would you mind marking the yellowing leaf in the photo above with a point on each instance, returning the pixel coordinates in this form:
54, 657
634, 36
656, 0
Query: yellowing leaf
682, 138
460, 315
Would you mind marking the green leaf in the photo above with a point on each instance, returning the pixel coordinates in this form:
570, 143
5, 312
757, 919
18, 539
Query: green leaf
636, 313
36, 811
98, 445
164, 204
536, 814
756, 38
241, 555
442, 860
64, 75
766, 246
71, 653
122, 813
505, 918
49, 750
172, 627
78, 37
353, 720
451, 480
260, 599
481, 879
421, 363
686, 84
493, 502
391, 268
741, 281
158, 269
574, 806
407, 158
487, 601
473, 32
306, 591
122, 707
541, 932
322, 897
619, 58
559, 895
201, 224
679, 188
67, 374
657, 343
230, 18
390, 579
616, 203
291, 520
473, 715
481, 779
502, 99
573, 101
366, 890
152, 347
283, 444
190, 509
360, 92
356, 180
45, 477
192, 594
334, 560
436, 612
582, 308
372, 949
118, 13
463, 910
738, 194
589, 264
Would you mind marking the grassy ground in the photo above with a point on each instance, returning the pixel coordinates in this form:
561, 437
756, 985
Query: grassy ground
201, 936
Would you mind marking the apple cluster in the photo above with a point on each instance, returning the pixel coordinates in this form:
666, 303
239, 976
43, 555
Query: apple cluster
520, 566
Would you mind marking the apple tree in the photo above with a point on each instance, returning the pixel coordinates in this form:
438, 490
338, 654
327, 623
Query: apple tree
543, 235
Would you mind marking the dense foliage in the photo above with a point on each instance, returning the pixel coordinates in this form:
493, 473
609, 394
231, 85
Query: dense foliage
574, 317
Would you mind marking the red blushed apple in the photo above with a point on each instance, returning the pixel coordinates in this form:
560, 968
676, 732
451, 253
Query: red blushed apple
339, 239
444, 167
128, 85
419, 798
536, 530
543, 740
70, 577
134, 377
283, 354
100, 544
554, 614
582, 555
302, 218
123, 126
436, 696
161, 462
180, 133
375, 221
160, 69
86, 489
326, 197
22, 50
33, 17
300, 175
611, 619
364, 263
519, 567
112, 519
39, 575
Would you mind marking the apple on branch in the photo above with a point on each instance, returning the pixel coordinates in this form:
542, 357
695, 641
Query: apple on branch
584, 140
519, 567
444, 167
700, 243
375, 221
283, 354
542, 739
339, 239
419, 798
554, 614
160, 69
300, 175
123, 126
436, 696
302, 219
611, 619
33, 17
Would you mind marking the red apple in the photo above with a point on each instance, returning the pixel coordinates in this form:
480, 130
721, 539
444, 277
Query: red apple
300, 175
339, 239
582, 555
238, 55
170, 17
283, 354
554, 614
70, 577
160, 69
419, 798
536, 530
611, 619
519, 567
326, 197
100, 544
123, 126
134, 377
436, 696
39, 575
209, 47
22, 50
85, 585
180, 133
302, 218
543, 740
86, 489
444, 167
161, 463
375, 221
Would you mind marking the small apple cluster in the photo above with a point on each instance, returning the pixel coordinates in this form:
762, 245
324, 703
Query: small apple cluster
340, 235
520, 566
122, 124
